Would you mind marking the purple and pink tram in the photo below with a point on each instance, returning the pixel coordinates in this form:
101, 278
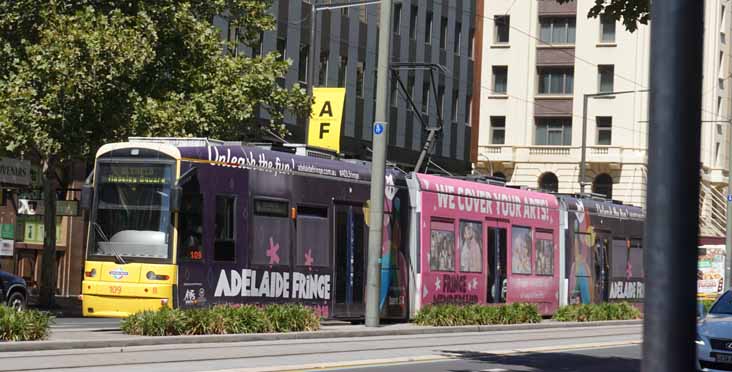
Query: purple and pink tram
245, 224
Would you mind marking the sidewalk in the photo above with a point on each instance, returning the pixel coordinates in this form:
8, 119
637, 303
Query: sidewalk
88, 338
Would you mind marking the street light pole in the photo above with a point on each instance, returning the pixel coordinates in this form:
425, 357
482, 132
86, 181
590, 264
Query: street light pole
585, 102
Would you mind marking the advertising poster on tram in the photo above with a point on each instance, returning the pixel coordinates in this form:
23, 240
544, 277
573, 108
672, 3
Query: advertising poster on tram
710, 271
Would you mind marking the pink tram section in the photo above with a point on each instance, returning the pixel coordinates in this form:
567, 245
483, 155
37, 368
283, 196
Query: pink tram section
480, 243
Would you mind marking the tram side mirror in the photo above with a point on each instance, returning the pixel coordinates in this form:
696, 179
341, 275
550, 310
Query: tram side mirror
87, 193
176, 193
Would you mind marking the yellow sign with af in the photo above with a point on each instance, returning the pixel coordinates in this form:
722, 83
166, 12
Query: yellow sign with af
324, 130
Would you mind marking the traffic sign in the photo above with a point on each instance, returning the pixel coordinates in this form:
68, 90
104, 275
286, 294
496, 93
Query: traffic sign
378, 128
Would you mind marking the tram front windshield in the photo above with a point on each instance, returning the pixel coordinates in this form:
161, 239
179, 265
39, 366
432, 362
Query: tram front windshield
132, 216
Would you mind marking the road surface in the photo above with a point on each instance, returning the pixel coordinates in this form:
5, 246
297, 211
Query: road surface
520, 350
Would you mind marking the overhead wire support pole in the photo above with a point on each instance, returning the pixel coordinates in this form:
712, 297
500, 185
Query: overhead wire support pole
378, 163
672, 219
585, 101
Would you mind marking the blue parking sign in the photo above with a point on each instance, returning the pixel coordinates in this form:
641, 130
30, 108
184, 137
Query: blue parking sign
378, 128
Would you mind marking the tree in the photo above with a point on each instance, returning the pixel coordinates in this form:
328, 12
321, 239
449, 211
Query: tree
630, 12
75, 74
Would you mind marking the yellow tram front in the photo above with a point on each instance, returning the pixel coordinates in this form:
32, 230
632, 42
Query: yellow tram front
130, 264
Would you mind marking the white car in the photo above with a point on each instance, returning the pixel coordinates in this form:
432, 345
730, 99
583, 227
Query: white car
714, 336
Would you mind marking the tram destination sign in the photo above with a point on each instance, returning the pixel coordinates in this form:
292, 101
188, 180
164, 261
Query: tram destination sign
15, 172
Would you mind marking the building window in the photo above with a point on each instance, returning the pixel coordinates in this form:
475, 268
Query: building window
500, 79
302, 68
359, 79
428, 29
606, 77
323, 71
426, 87
607, 29
342, 71
503, 25
397, 18
413, 23
498, 130
553, 131
362, 14
441, 101
556, 80
455, 100
282, 48
721, 83
410, 89
393, 93
443, 33
603, 184
549, 182
557, 30
719, 105
604, 130
469, 110
458, 37
471, 43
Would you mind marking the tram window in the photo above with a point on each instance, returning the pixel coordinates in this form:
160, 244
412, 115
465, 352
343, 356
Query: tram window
635, 259
224, 246
191, 228
471, 247
544, 264
619, 258
271, 236
520, 250
442, 246
274, 208
312, 237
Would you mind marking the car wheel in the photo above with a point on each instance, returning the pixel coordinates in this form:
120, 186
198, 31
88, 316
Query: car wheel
16, 301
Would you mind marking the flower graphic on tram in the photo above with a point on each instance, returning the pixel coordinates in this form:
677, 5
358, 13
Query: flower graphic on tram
309, 258
274, 258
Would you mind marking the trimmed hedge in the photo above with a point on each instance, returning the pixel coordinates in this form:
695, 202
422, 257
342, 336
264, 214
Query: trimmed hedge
597, 312
707, 304
222, 319
457, 315
26, 325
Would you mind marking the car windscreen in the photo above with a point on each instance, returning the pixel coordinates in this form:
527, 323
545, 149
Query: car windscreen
724, 305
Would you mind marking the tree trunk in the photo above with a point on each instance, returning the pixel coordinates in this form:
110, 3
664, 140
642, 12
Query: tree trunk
48, 264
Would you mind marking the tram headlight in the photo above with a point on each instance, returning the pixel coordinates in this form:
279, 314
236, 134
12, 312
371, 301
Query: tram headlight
152, 276
90, 274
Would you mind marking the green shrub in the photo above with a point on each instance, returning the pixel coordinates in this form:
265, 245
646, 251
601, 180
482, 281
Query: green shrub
456, 315
707, 305
597, 312
222, 319
26, 325
292, 318
163, 322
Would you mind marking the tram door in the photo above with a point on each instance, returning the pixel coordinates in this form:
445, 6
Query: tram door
497, 242
350, 261
600, 257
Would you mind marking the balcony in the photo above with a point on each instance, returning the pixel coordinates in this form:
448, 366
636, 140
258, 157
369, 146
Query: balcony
613, 156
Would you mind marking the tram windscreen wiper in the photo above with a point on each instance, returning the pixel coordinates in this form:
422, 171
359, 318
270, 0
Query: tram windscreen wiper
117, 257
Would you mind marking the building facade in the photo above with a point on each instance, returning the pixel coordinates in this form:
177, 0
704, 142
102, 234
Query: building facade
438, 32
540, 59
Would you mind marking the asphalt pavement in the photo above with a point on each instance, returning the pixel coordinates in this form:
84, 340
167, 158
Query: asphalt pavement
510, 349
609, 359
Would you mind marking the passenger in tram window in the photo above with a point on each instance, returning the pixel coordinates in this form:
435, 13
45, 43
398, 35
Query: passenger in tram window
471, 258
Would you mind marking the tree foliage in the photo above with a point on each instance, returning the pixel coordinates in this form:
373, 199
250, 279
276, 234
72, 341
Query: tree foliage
630, 12
78, 73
